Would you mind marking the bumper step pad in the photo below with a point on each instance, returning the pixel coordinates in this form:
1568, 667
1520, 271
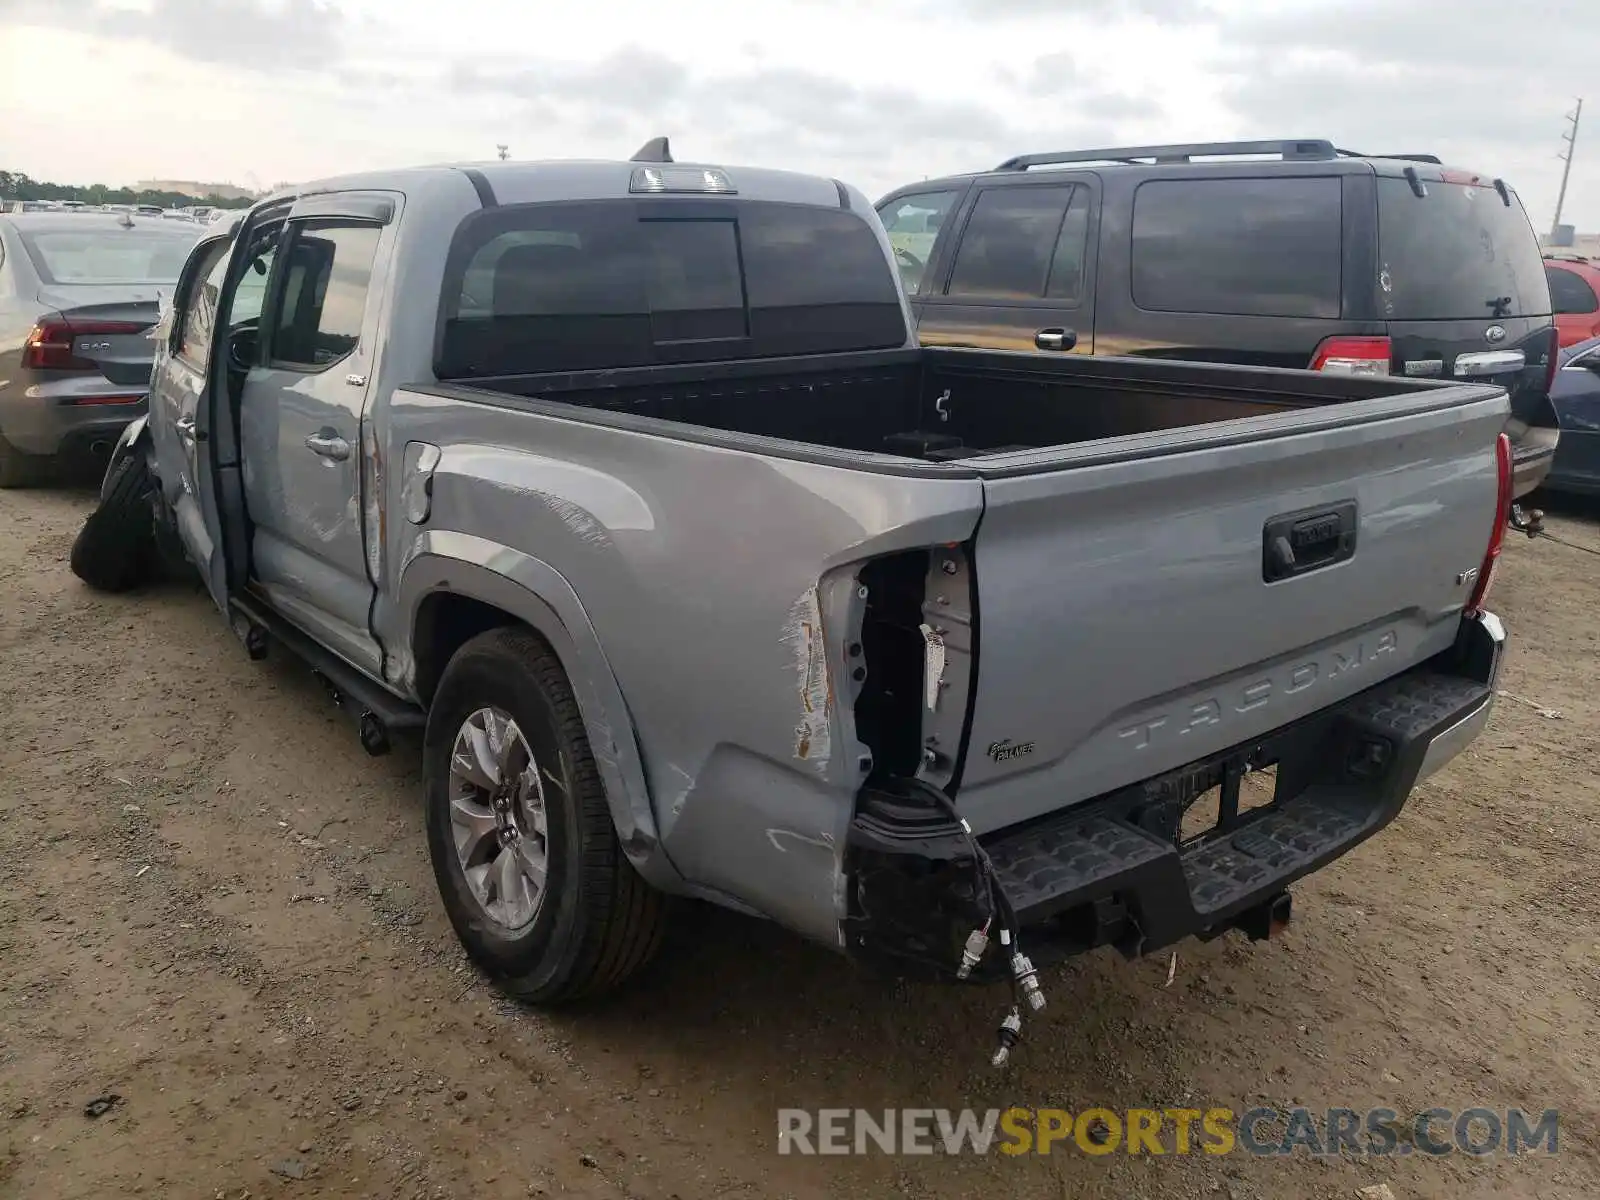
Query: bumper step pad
1099, 850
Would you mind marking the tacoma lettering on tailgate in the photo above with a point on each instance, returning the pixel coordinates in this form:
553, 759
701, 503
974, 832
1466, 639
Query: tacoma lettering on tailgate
1204, 712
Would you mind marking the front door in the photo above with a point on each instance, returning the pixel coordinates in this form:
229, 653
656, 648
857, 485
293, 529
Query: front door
177, 384
300, 415
1022, 273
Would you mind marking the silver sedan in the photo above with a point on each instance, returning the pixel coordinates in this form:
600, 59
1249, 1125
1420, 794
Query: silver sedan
79, 293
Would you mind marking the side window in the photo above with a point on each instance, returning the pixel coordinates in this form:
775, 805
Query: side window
1240, 247
1570, 292
1011, 243
251, 293
200, 311
327, 272
913, 224
1066, 266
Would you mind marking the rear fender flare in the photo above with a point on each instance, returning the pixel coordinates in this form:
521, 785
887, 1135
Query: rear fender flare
535, 593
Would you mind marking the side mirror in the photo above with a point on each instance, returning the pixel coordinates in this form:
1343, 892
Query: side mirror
242, 345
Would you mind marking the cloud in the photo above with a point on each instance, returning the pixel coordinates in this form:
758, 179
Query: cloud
260, 34
1386, 77
765, 113
1159, 10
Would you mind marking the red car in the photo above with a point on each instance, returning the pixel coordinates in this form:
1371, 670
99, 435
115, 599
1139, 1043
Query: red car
1575, 296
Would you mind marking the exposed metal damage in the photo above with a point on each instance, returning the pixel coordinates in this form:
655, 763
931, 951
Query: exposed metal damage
802, 633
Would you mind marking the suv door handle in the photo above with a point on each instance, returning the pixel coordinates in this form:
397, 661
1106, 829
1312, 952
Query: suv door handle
327, 444
1055, 339
185, 429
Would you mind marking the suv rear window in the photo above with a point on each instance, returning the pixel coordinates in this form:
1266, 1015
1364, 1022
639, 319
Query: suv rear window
1458, 253
624, 283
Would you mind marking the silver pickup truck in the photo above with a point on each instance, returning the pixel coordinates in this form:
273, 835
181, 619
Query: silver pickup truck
627, 485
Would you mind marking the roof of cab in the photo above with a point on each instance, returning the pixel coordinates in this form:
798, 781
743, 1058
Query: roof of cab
576, 179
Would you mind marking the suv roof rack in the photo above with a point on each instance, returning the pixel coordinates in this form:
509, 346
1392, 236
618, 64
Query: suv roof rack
1421, 158
1289, 149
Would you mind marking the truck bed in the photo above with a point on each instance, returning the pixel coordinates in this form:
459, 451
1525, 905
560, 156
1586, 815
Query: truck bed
945, 405
1101, 576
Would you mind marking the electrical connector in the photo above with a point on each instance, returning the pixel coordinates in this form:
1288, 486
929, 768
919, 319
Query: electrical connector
1009, 1034
1027, 979
972, 953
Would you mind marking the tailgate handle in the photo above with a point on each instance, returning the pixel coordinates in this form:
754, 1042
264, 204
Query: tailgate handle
1309, 540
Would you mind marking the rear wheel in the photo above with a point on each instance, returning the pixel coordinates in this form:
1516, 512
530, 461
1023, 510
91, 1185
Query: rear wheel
19, 469
526, 857
115, 548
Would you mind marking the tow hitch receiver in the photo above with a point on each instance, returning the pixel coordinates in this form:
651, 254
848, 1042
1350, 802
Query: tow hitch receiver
1527, 520
1268, 919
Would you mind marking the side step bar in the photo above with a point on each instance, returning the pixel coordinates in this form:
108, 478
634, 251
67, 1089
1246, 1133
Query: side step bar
378, 712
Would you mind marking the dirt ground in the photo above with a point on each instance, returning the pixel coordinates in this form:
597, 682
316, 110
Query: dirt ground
215, 906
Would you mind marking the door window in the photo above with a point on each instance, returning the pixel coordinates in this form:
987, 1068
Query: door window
1018, 245
913, 224
327, 272
1570, 293
199, 319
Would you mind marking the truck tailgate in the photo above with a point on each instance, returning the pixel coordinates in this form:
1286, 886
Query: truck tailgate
1131, 615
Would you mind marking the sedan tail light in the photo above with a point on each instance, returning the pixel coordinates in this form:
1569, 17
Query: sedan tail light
48, 346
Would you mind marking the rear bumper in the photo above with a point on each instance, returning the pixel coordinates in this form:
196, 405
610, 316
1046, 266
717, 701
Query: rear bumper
64, 420
1114, 872
1533, 452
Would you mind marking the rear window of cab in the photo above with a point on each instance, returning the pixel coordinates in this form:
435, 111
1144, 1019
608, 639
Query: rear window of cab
540, 288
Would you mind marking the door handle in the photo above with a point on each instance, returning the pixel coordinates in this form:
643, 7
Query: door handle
327, 444
185, 429
1055, 339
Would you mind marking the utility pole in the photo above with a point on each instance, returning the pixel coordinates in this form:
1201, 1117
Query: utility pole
1571, 139
504, 152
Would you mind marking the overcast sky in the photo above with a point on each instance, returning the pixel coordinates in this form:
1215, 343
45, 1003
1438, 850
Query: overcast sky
878, 92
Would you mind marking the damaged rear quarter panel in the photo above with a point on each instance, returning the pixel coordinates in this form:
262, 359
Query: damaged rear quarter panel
717, 581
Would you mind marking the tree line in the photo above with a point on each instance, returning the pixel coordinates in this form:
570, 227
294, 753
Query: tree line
16, 185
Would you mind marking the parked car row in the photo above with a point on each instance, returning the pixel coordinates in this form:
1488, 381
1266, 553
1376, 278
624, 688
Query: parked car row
1280, 253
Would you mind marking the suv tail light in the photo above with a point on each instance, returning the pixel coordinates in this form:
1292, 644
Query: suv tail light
1352, 356
49, 343
1497, 535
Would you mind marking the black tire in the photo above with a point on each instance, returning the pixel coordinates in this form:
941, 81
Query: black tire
115, 548
599, 922
20, 470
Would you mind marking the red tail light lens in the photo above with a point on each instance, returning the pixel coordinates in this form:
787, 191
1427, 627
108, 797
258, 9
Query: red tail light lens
49, 344
1352, 356
1497, 535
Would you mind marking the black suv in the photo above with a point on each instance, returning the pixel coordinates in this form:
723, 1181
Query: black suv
1280, 253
